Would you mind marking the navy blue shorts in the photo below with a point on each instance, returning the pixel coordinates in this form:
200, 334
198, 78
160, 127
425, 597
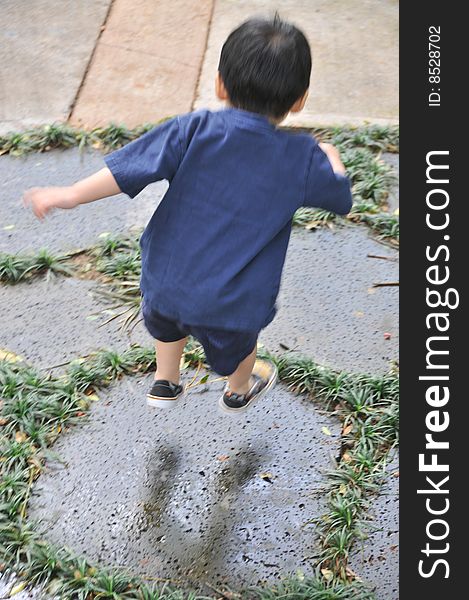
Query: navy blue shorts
224, 349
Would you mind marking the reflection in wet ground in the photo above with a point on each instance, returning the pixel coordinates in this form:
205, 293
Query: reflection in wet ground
190, 494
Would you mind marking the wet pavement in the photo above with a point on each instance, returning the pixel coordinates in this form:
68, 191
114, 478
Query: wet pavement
21, 231
376, 559
194, 494
53, 322
192, 501
329, 272
191, 493
328, 307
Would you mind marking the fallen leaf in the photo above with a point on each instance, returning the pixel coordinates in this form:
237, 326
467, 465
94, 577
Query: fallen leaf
204, 379
300, 575
396, 474
80, 413
342, 489
352, 575
347, 430
275, 425
93, 397
267, 476
20, 436
394, 547
9, 356
387, 336
326, 430
19, 587
34, 460
327, 574
358, 313
371, 291
8, 227
77, 574
3, 421
346, 457
104, 234
312, 225
223, 457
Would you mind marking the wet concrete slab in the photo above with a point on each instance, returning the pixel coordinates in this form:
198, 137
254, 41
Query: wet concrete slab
190, 493
355, 56
328, 309
64, 230
49, 323
376, 559
46, 46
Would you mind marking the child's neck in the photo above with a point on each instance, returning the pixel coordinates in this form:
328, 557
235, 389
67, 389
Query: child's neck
273, 120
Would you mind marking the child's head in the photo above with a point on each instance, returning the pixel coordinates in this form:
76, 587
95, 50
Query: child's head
265, 67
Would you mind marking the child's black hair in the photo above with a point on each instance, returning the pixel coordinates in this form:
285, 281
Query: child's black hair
265, 65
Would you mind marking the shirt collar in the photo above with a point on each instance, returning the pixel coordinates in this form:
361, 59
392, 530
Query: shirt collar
246, 116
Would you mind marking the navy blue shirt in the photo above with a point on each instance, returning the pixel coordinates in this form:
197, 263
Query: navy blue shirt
214, 249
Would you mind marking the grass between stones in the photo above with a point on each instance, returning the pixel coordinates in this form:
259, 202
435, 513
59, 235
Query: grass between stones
17, 267
361, 150
36, 408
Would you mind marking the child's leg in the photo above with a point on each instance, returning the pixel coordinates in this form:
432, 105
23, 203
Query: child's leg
168, 359
239, 381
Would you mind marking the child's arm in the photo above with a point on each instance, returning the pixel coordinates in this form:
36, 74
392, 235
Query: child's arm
153, 156
99, 185
334, 157
328, 186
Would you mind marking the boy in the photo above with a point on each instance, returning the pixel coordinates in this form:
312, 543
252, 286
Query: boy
213, 251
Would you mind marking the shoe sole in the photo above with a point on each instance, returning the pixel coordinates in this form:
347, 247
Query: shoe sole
160, 402
268, 387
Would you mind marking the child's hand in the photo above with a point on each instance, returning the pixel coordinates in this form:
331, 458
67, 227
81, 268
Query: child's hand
43, 199
334, 157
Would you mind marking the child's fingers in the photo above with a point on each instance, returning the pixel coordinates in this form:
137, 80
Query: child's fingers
28, 196
39, 212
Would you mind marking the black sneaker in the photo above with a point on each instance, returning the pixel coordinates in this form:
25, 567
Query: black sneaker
264, 376
164, 393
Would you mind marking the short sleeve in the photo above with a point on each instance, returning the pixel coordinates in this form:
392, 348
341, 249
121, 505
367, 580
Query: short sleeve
153, 156
325, 188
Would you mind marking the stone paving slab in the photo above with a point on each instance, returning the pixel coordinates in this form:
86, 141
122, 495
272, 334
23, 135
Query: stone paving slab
326, 271
355, 56
179, 493
377, 559
64, 230
146, 64
45, 49
49, 323
328, 309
